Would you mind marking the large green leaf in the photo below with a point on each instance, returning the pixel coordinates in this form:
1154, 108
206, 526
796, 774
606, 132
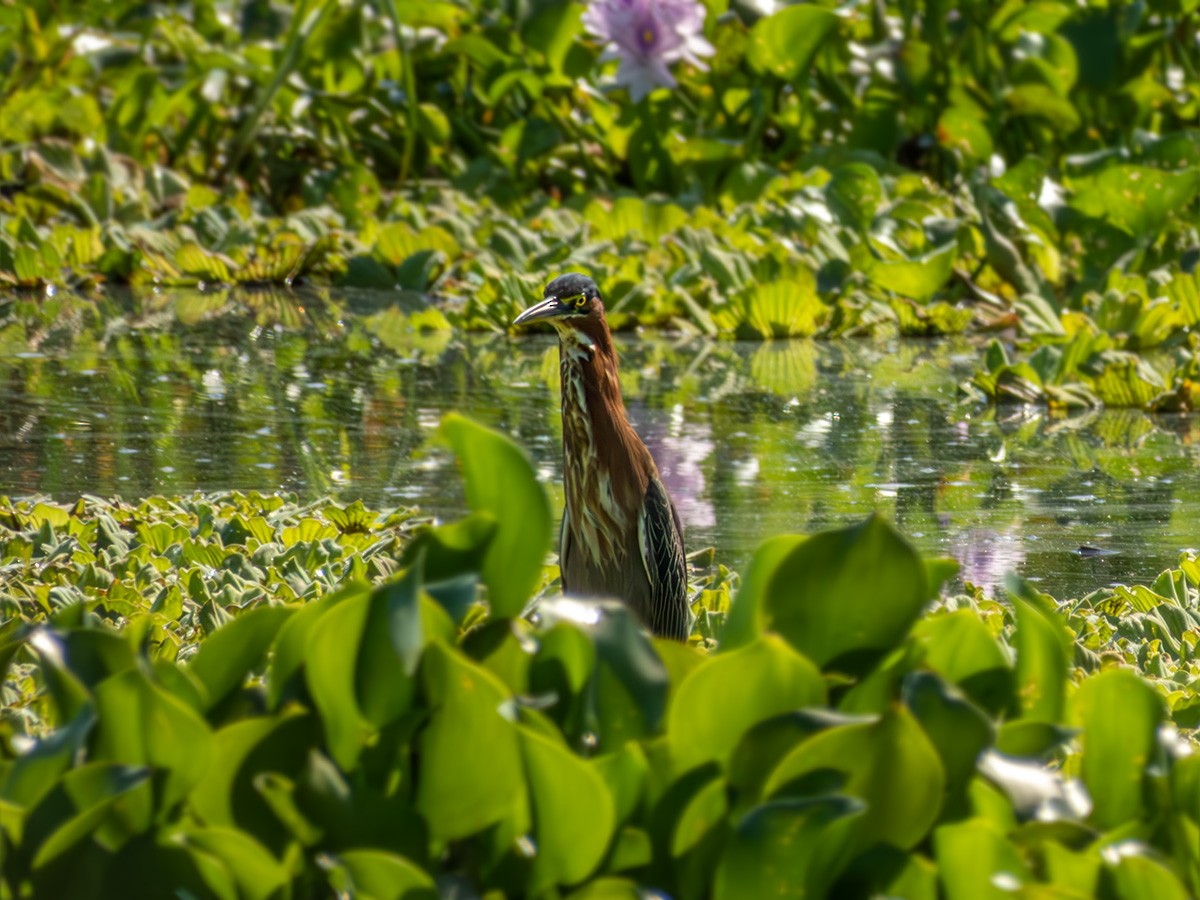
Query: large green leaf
962, 650
573, 812
1120, 714
785, 43
788, 848
141, 724
471, 773
890, 764
849, 595
385, 876
726, 695
228, 655
745, 621
916, 279
358, 664
500, 480
972, 855
1043, 655
1137, 199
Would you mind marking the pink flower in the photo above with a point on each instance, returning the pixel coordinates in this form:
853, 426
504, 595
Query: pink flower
647, 36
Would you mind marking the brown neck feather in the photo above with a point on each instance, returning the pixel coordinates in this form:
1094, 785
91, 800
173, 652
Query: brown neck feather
586, 351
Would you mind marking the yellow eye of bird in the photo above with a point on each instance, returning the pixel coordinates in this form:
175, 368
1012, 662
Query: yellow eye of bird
581, 301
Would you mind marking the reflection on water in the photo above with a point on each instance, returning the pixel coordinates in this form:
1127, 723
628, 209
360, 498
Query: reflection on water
174, 394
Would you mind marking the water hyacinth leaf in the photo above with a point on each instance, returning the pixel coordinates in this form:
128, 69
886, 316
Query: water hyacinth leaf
624, 772
573, 812
762, 746
783, 309
498, 478
242, 751
972, 856
728, 694
390, 651
36, 771
461, 790
962, 130
785, 43
847, 595
854, 193
330, 669
227, 656
1137, 199
1120, 714
290, 650
962, 650
916, 279
94, 789
384, 876
788, 848
141, 724
1043, 655
1137, 875
630, 693
552, 30
890, 764
957, 728
257, 874
745, 621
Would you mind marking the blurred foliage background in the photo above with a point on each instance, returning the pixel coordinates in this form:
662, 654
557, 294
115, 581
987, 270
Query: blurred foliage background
921, 168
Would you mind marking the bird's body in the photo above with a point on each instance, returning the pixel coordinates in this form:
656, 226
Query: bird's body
621, 535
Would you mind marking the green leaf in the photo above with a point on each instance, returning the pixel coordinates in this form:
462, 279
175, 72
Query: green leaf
958, 730
357, 664
729, 693
552, 29
94, 788
783, 309
789, 848
890, 764
228, 655
971, 855
385, 876
745, 620
1137, 199
849, 595
242, 751
257, 874
1120, 714
470, 759
855, 192
573, 812
962, 650
291, 644
1043, 656
964, 130
499, 479
141, 724
916, 279
785, 43
330, 667
36, 771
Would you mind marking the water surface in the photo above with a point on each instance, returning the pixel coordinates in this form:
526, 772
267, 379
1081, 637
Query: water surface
339, 395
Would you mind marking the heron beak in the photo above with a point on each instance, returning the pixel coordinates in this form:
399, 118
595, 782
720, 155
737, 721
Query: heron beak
547, 309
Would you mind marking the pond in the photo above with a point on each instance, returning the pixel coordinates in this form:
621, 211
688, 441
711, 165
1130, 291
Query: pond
179, 392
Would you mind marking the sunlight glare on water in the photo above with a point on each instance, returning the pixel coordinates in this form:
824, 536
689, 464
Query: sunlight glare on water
752, 439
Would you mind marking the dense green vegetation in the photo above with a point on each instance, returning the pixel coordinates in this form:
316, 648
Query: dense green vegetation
883, 167
251, 694
174, 707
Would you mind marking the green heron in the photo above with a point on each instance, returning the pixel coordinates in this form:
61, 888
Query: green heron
621, 536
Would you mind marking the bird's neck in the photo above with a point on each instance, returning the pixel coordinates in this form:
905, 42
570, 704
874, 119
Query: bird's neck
603, 456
